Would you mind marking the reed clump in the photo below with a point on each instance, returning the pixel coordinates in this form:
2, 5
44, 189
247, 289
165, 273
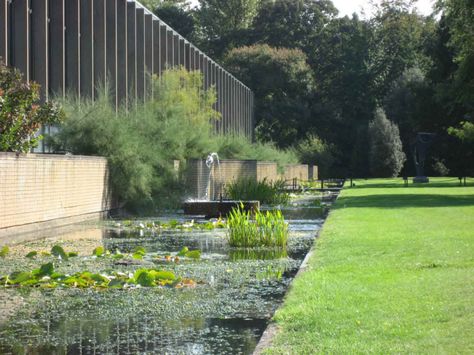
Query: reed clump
265, 229
267, 192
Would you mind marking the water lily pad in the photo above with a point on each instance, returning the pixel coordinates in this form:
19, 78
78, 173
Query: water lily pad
32, 254
99, 251
18, 277
183, 251
45, 269
194, 254
59, 252
4, 251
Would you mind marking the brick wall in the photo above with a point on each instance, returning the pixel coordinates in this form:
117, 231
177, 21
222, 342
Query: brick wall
296, 171
201, 183
38, 188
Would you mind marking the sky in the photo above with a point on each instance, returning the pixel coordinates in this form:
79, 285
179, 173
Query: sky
348, 7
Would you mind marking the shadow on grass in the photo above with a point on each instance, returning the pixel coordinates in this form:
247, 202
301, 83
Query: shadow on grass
451, 182
402, 200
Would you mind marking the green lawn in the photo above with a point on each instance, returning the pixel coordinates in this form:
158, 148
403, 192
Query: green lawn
392, 272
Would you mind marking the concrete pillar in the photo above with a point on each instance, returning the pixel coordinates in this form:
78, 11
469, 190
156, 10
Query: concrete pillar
122, 53
169, 49
182, 53
111, 48
175, 50
20, 40
100, 55
163, 48
87, 48
4, 25
149, 52
205, 73
131, 52
149, 43
57, 52
141, 53
156, 47
39, 45
187, 56
192, 55
73, 46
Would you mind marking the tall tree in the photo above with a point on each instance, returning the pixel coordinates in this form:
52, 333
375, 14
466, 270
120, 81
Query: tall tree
386, 155
400, 37
176, 13
293, 23
223, 24
281, 80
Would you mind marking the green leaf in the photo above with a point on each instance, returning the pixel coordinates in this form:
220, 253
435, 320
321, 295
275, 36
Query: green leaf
99, 278
139, 250
117, 256
137, 256
145, 279
163, 275
73, 254
99, 251
17, 277
59, 252
4, 251
183, 251
194, 254
45, 269
116, 283
31, 254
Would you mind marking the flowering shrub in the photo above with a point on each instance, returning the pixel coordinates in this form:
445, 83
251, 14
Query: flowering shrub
21, 113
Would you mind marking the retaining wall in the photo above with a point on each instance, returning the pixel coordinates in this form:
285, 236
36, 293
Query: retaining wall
202, 183
39, 191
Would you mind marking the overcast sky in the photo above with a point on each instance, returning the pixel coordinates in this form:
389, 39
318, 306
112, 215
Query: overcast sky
348, 7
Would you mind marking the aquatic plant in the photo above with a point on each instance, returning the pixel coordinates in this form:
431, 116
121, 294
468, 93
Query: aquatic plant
46, 277
265, 191
4, 251
157, 226
266, 229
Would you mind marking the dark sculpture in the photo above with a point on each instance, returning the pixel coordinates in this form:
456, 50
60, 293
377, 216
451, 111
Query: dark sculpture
420, 150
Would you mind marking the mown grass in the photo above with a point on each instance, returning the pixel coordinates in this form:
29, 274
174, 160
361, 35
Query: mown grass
392, 273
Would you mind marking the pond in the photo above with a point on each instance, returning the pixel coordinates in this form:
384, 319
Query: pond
236, 291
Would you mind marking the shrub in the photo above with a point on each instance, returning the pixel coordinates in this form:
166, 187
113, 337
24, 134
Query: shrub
142, 142
239, 147
386, 154
314, 151
21, 114
246, 189
268, 229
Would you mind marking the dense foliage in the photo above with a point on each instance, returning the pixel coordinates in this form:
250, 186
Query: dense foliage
21, 112
141, 143
386, 156
317, 75
248, 189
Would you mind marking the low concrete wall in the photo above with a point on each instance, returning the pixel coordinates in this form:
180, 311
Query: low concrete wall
299, 172
202, 183
40, 191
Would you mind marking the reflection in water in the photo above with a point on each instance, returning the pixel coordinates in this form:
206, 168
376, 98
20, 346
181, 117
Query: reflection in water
226, 314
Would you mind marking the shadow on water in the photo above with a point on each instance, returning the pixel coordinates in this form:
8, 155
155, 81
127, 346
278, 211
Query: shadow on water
404, 200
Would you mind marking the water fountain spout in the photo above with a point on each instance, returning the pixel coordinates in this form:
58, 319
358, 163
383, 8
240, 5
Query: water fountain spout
212, 159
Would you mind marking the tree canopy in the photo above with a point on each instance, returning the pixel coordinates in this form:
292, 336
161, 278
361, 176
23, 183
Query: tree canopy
319, 78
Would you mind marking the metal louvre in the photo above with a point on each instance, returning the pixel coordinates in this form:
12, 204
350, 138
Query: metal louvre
78, 46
